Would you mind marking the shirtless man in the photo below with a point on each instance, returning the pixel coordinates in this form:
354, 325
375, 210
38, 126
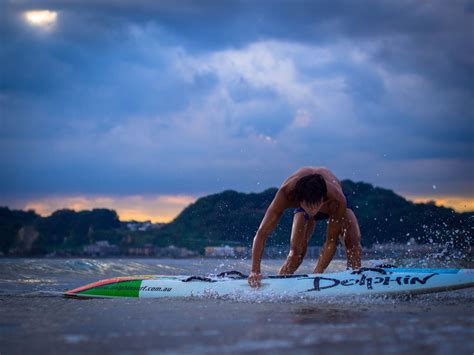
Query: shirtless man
316, 194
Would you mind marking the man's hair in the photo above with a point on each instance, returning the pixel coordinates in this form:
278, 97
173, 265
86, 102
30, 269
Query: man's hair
311, 189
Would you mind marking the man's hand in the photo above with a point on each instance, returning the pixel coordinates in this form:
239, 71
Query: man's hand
254, 279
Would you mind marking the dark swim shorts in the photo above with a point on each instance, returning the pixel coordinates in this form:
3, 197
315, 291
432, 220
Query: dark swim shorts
320, 216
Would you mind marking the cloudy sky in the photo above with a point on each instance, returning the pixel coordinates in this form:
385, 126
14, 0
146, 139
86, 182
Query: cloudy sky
145, 105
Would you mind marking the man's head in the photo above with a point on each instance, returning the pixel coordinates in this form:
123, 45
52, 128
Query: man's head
310, 191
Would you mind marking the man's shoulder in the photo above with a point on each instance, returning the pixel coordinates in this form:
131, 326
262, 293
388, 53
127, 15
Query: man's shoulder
283, 198
283, 192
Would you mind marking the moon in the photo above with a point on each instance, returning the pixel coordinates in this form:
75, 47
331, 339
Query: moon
41, 18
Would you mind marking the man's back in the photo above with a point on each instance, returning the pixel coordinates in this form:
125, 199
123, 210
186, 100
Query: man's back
333, 184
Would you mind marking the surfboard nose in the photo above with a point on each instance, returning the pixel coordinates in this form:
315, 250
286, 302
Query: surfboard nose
115, 287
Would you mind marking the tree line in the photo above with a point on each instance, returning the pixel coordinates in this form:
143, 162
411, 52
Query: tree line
232, 218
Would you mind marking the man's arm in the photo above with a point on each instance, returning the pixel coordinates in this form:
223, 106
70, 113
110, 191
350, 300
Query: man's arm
336, 227
269, 222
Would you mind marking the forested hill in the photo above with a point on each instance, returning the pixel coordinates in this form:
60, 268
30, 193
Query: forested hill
232, 218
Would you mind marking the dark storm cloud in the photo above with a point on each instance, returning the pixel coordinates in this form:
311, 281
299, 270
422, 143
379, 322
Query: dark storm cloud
409, 36
129, 96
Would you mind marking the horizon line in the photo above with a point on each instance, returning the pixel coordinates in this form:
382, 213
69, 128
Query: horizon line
165, 208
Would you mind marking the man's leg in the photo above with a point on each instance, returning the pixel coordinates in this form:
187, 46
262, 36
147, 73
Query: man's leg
301, 232
352, 241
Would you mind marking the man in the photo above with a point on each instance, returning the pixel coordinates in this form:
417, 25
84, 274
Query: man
316, 194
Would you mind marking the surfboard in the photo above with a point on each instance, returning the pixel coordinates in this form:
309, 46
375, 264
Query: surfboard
365, 281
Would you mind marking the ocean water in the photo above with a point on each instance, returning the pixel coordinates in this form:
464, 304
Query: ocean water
35, 318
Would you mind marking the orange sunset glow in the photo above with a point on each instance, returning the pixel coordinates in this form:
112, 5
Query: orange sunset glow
157, 209
458, 203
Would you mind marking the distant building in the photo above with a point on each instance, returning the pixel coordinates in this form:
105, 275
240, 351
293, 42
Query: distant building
227, 251
242, 252
219, 252
101, 248
143, 226
139, 226
160, 252
174, 252
146, 250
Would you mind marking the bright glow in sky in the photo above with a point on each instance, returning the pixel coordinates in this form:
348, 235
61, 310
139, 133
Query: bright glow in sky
41, 17
157, 208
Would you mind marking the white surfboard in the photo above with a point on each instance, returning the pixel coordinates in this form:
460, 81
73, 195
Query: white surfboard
365, 281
